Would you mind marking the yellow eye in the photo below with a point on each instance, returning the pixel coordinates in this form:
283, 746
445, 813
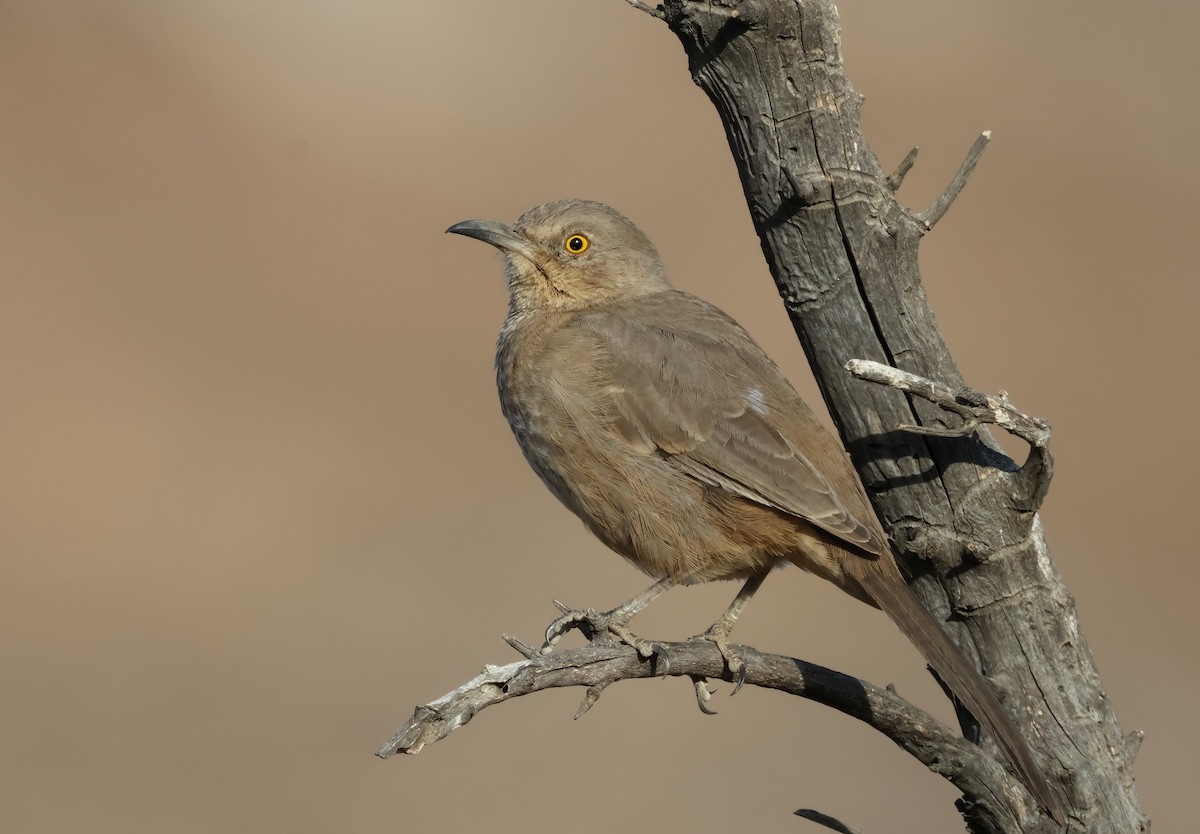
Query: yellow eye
576, 244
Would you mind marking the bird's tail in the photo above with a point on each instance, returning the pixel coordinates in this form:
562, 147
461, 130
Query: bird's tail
882, 580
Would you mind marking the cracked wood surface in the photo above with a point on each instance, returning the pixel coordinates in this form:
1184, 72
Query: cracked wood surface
843, 253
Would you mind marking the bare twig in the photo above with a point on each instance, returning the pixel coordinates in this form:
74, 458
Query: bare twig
941, 205
1133, 743
590, 698
897, 177
973, 406
977, 774
653, 11
826, 820
523, 648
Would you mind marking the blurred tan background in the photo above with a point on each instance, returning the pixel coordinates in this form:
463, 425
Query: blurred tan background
257, 499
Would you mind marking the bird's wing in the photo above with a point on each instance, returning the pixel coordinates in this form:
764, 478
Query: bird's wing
690, 384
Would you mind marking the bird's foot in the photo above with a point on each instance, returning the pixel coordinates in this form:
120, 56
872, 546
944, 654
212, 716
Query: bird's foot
602, 627
718, 633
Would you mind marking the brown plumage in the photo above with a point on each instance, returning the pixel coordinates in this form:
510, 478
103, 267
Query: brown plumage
656, 419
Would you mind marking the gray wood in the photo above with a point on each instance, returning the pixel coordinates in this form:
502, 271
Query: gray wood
843, 253
603, 663
962, 515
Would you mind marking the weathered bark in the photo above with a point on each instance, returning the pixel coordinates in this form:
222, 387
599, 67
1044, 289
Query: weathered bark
599, 665
962, 515
843, 253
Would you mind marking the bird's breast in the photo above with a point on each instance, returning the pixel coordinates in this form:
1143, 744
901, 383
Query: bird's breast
527, 405
558, 398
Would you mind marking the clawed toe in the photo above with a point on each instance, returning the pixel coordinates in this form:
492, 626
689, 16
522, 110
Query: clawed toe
602, 627
703, 695
733, 661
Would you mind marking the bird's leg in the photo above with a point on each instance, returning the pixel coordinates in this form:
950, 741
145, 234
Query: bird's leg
719, 631
610, 625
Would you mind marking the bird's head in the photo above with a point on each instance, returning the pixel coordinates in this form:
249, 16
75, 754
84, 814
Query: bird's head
571, 254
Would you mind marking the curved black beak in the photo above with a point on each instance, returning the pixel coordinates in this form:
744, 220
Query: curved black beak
497, 234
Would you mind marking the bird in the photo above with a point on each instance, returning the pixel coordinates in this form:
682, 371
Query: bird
656, 418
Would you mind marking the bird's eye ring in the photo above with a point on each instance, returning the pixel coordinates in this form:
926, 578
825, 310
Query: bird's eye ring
576, 244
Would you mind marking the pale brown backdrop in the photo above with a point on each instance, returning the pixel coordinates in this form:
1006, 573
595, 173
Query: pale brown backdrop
256, 497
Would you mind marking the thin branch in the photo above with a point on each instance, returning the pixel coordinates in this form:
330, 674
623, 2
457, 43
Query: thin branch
521, 647
826, 820
973, 406
653, 11
897, 177
978, 775
941, 205
1133, 743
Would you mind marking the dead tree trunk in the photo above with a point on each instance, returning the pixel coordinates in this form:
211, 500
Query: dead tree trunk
961, 514
843, 253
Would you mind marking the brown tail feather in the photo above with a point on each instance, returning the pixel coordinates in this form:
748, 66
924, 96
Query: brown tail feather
883, 582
